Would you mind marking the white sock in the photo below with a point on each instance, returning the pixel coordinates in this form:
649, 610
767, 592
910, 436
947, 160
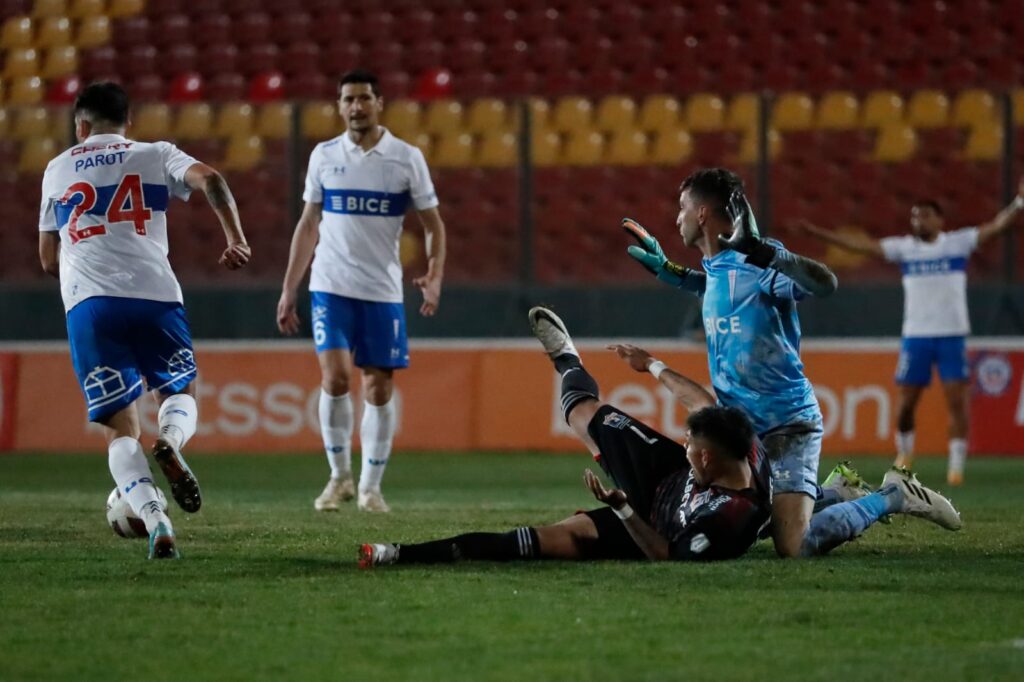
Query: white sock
177, 419
957, 454
905, 444
336, 428
131, 473
375, 436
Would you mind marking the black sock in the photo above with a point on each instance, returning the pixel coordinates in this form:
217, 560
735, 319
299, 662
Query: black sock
577, 384
521, 543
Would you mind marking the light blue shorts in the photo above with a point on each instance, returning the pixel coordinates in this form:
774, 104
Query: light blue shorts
793, 454
374, 332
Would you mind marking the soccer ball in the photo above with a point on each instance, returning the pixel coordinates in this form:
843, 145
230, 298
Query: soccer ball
122, 519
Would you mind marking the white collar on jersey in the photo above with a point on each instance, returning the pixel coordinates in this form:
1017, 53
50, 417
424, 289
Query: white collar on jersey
382, 147
104, 137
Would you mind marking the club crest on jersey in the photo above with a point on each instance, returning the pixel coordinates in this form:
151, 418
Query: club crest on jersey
616, 420
182, 362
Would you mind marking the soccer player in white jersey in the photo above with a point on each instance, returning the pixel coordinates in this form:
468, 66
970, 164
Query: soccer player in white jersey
103, 232
358, 188
935, 319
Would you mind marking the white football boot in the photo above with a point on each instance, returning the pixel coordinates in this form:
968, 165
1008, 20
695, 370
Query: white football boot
336, 491
551, 332
921, 501
372, 501
377, 555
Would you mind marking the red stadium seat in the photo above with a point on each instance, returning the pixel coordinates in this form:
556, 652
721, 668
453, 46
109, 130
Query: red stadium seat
147, 87
139, 60
180, 59
63, 90
259, 58
337, 58
211, 29
186, 87
266, 87
214, 59
252, 28
131, 31
311, 86
171, 29
226, 87
434, 84
300, 58
292, 27
98, 63
328, 26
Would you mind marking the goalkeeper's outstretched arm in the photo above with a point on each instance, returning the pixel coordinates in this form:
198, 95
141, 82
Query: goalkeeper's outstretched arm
648, 252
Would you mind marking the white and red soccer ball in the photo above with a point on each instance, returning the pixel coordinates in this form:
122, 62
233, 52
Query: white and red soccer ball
122, 519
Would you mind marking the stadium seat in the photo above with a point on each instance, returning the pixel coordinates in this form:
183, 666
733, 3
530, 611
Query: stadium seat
743, 112
211, 29
42, 9
253, 28
895, 142
25, 90
132, 31
659, 112
310, 86
63, 90
93, 32
443, 116
320, 120
226, 87
256, 59
627, 147
59, 61
671, 147
301, 57
793, 111
36, 153
972, 108
487, 114
984, 143
274, 121
927, 109
1017, 98
545, 148
186, 87
194, 122
243, 152
615, 113
749, 152
146, 88
30, 122
453, 149
234, 120
21, 62
424, 142
53, 32
151, 122
584, 148
98, 62
540, 114
141, 60
85, 9
704, 113
838, 111
179, 59
125, 8
266, 87
497, 148
881, 108
17, 33
5, 124
401, 117
571, 114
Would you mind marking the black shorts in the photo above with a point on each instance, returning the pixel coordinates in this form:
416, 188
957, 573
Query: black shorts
613, 540
635, 456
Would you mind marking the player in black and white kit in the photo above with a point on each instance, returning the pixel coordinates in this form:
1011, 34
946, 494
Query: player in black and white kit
705, 500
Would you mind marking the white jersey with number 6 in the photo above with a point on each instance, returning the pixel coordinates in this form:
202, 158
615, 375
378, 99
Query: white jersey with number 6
108, 198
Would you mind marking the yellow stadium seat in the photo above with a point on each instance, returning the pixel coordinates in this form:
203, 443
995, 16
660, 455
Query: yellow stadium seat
838, 111
125, 8
25, 90
194, 122
36, 153
443, 116
895, 142
985, 143
54, 32
487, 114
49, 8
151, 122
497, 149
17, 32
30, 122
320, 120
659, 112
743, 112
705, 113
274, 120
21, 62
540, 114
671, 147
749, 151
402, 117
793, 111
545, 148
59, 61
615, 113
927, 109
454, 150
425, 144
572, 114
244, 152
881, 108
81, 9
584, 148
5, 123
627, 148
973, 107
93, 32
62, 125
1017, 98
234, 120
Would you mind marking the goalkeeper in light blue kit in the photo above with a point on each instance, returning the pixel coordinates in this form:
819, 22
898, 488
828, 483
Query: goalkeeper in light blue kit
749, 289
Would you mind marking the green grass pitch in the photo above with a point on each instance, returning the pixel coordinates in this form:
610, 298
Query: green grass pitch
268, 589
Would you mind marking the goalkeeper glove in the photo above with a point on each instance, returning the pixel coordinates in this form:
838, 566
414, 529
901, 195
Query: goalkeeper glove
650, 255
745, 237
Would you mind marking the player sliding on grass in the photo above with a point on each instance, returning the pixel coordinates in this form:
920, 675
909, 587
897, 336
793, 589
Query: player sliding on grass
749, 288
103, 232
703, 501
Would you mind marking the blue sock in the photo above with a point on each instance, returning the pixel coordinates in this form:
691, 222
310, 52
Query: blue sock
843, 522
826, 497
